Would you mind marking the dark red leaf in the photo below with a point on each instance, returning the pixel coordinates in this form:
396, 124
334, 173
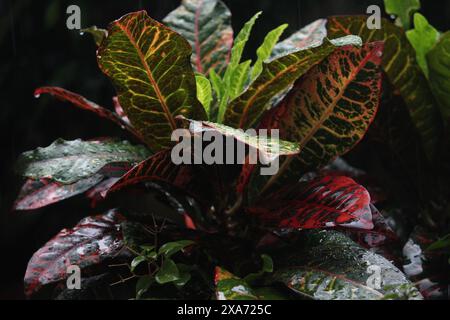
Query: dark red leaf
90, 242
321, 202
36, 194
83, 103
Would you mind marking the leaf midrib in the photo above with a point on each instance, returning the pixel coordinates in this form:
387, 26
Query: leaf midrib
149, 75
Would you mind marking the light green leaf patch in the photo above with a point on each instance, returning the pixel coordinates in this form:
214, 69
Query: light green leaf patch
403, 9
423, 37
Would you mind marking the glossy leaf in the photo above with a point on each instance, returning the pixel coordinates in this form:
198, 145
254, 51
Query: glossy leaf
83, 103
168, 272
269, 148
403, 9
230, 287
277, 76
265, 50
439, 67
206, 24
204, 92
319, 203
97, 33
423, 37
327, 112
92, 241
308, 36
39, 193
149, 66
328, 266
170, 248
399, 63
69, 161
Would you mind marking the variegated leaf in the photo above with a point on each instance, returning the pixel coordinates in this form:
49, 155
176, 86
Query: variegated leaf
230, 287
206, 24
318, 203
328, 111
399, 63
306, 37
151, 71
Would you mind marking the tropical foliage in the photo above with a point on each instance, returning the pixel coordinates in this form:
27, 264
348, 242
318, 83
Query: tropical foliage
312, 230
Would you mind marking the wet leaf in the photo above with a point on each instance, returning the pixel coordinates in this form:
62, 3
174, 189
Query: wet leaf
230, 287
67, 162
319, 203
39, 193
92, 241
400, 64
206, 24
308, 36
269, 148
329, 266
149, 66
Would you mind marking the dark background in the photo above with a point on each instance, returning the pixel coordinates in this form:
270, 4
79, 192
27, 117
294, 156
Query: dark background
37, 49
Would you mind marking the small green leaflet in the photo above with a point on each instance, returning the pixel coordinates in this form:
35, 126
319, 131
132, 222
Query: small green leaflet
265, 50
71, 161
204, 92
236, 54
423, 38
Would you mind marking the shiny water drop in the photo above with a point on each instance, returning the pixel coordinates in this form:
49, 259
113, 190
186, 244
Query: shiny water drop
81, 33
37, 95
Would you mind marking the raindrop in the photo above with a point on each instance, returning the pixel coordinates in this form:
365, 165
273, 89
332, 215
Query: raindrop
37, 95
81, 33
392, 16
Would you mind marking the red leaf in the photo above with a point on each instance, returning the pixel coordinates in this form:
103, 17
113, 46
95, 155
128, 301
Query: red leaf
83, 103
36, 194
319, 203
90, 242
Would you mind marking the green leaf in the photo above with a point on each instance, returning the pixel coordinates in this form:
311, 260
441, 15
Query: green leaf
185, 275
97, 34
423, 37
438, 63
327, 265
143, 284
400, 65
244, 111
204, 92
149, 66
265, 50
168, 272
403, 9
206, 24
170, 248
230, 287
239, 78
136, 261
308, 36
444, 242
71, 161
269, 148
236, 54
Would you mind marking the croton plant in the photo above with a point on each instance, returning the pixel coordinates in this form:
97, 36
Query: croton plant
312, 230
